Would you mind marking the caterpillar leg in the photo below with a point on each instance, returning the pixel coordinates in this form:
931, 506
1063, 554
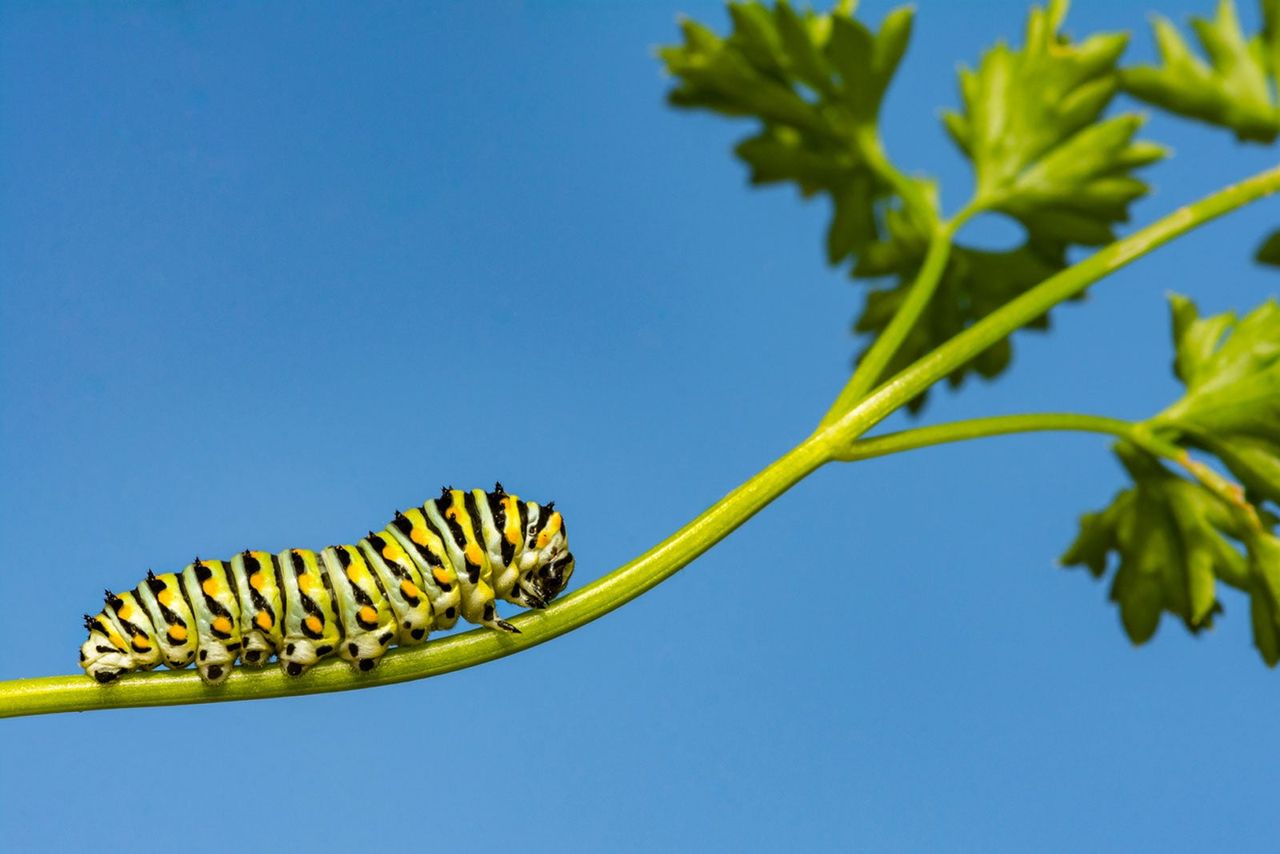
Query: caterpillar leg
368, 621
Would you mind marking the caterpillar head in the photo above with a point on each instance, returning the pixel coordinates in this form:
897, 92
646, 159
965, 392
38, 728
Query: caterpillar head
546, 563
104, 656
549, 580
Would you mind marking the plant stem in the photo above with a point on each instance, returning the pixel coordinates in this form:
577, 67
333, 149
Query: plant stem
77, 693
1037, 301
163, 688
873, 364
981, 428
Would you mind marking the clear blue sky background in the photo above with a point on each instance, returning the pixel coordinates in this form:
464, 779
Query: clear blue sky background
269, 273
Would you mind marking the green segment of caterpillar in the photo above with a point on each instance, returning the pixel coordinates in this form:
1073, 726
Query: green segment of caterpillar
452, 558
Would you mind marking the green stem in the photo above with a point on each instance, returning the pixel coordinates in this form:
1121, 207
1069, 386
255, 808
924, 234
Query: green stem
1038, 301
981, 428
77, 693
165, 688
873, 364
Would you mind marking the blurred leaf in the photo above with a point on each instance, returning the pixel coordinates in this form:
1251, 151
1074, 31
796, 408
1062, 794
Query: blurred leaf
1231, 369
1175, 538
815, 83
1171, 539
1234, 88
1042, 154
1264, 595
1032, 126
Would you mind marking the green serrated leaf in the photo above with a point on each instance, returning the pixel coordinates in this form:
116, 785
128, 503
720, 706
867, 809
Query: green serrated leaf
1232, 86
1264, 594
1177, 538
1171, 538
815, 82
1231, 369
1032, 126
1042, 154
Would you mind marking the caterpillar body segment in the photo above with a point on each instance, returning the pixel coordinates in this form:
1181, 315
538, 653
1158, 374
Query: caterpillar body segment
217, 612
455, 516
453, 557
171, 617
257, 582
130, 622
403, 585
368, 623
311, 627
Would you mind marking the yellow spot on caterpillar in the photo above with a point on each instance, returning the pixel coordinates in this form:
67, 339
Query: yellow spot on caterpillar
553, 525
410, 590
314, 624
177, 634
355, 573
306, 583
473, 553
257, 581
418, 535
125, 611
441, 576
222, 625
263, 620
392, 552
452, 514
117, 641
165, 596
141, 644
367, 614
210, 587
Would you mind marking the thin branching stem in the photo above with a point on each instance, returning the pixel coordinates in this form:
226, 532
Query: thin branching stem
1136, 432
77, 693
982, 428
872, 367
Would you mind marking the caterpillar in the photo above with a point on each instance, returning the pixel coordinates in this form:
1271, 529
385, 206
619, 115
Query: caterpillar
452, 557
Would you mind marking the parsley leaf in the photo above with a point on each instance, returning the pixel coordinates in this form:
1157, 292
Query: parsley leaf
1234, 89
1033, 130
1042, 154
815, 82
1231, 368
1176, 538
1031, 125
1169, 535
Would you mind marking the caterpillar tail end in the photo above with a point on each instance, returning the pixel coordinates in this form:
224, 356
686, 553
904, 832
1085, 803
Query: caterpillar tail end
506, 627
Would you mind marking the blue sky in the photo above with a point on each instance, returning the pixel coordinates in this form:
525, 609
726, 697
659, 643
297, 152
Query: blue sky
270, 273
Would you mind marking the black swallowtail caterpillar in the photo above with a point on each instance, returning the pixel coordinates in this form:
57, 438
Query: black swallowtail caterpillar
451, 557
